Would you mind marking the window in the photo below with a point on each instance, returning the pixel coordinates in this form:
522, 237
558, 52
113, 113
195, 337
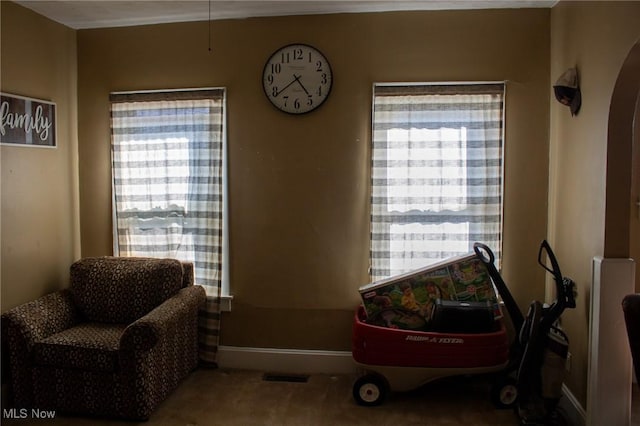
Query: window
168, 162
437, 173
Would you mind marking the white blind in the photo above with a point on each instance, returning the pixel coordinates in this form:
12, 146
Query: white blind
167, 177
437, 173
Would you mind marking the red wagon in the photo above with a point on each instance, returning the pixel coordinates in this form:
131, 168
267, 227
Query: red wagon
400, 360
400, 348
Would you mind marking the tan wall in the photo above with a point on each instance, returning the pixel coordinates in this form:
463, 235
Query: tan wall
299, 184
596, 37
40, 233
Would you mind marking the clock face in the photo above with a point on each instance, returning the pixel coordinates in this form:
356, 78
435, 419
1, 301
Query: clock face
297, 78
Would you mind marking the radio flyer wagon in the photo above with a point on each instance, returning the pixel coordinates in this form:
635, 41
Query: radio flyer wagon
396, 357
402, 360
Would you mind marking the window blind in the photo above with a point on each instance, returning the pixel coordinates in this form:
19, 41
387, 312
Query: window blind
167, 165
436, 173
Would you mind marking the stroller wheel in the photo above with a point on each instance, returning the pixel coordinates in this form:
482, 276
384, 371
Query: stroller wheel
504, 392
369, 390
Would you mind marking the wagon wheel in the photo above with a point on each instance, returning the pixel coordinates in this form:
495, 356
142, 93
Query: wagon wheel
504, 392
370, 390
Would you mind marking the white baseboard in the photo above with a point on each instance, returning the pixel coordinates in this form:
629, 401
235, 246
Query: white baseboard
293, 361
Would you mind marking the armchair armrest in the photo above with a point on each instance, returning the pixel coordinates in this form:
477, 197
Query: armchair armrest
160, 349
24, 325
39, 319
145, 333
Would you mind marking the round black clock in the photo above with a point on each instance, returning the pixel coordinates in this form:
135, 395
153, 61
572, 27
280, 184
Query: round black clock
297, 78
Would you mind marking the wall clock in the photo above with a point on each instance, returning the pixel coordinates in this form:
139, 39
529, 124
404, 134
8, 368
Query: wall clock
297, 78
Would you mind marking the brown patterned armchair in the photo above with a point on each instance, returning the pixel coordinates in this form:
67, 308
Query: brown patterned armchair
114, 344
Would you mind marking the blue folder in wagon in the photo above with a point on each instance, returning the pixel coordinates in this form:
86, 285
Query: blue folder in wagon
408, 301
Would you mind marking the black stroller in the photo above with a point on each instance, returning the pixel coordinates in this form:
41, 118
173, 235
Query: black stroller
532, 382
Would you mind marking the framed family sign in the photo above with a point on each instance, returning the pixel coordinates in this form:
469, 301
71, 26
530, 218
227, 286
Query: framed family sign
27, 121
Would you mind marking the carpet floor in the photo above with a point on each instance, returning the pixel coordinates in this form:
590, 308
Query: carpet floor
210, 397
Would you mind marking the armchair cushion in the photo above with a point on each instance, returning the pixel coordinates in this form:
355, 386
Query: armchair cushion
88, 346
121, 290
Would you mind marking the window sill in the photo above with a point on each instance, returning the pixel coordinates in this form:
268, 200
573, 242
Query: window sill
225, 303
225, 300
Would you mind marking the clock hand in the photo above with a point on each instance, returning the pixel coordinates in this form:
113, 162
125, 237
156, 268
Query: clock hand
297, 78
285, 87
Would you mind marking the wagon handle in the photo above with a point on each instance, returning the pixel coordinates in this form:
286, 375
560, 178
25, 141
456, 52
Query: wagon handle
482, 249
486, 256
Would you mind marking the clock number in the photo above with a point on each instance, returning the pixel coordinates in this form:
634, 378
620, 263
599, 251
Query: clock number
319, 66
297, 54
284, 58
274, 91
324, 78
319, 91
310, 100
296, 103
276, 68
270, 78
286, 98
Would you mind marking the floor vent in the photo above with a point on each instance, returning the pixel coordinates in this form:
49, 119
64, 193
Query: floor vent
292, 378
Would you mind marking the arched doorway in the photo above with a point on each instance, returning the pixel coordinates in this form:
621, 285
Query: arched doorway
620, 207
622, 220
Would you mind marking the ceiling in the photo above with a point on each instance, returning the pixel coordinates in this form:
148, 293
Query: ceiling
86, 14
